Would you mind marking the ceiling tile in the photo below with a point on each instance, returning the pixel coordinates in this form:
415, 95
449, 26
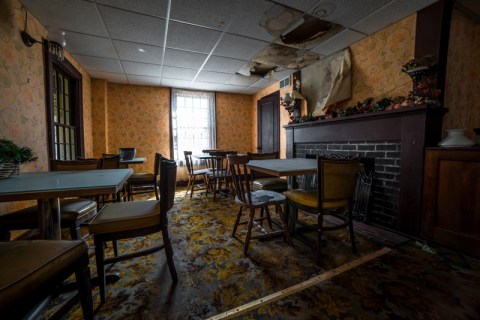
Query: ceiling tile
238, 47
187, 37
239, 80
249, 90
184, 59
229, 88
263, 83
148, 7
142, 69
208, 13
112, 77
389, 14
247, 20
125, 25
179, 73
217, 77
143, 80
130, 51
80, 16
302, 5
282, 74
347, 12
98, 64
222, 64
203, 86
176, 83
339, 42
78, 43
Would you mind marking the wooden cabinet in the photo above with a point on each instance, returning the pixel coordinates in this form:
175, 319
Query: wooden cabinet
451, 198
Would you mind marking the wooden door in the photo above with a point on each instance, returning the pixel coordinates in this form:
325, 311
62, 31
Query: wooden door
268, 123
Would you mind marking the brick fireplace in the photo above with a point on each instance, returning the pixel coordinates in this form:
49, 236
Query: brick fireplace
394, 142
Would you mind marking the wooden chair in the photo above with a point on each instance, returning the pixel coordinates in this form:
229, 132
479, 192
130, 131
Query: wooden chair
74, 212
218, 176
144, 182
194, 174
110, 155
112, 162
251, 200
335, 189
33, 270
124, 220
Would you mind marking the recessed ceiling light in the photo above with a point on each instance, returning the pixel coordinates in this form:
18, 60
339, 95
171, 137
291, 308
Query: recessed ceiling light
141, 50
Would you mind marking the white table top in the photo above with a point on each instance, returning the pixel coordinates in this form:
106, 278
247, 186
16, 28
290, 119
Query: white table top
284, 167
60, 184
133, 161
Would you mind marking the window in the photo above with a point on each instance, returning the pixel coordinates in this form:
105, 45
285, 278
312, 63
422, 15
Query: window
64, 109
193, 122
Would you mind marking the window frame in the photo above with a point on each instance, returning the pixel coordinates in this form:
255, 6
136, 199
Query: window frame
76, 100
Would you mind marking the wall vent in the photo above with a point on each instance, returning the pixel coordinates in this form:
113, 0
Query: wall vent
284, 82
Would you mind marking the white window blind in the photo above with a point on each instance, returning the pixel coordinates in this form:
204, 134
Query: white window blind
193, 122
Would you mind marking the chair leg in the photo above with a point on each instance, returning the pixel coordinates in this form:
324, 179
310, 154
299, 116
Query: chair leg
188, 187
82, 275
285, 225
350, 227
249, 230
169, 253
319, 236
100, 257
237, 221
115, 248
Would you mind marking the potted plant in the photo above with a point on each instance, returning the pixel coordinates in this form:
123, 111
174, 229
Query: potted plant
11, 156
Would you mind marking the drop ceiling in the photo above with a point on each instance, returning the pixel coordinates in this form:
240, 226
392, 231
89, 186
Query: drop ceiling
205, 44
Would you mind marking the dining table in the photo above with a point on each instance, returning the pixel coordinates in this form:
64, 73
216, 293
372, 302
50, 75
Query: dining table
132, 161
48, 187
291, 167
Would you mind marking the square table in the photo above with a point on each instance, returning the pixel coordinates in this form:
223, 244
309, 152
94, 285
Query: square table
47, 187
132, 161
284, 167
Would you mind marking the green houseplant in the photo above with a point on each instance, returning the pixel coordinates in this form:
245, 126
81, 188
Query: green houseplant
11, 156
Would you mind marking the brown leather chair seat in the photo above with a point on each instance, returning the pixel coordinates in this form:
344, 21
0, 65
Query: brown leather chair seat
33, 269
74, 212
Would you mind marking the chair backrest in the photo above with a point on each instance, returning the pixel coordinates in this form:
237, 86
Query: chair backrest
168, 183
262, 156
241, 177
337, 178
110, 161
157, 163
219, 160
75, 165
188, 161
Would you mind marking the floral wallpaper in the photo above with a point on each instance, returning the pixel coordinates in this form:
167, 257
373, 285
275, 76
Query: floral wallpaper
234, 122
462, 85
377, 62
136, 117
22, 89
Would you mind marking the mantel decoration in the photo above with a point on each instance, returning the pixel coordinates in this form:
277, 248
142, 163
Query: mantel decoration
422, 71
292, 100
11, 156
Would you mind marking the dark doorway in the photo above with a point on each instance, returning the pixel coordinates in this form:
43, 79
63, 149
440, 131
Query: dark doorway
268, 123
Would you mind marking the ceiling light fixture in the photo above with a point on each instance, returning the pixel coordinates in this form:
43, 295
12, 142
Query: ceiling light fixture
53, 47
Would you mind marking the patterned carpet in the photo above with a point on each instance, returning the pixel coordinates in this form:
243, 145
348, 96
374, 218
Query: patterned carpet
413, 281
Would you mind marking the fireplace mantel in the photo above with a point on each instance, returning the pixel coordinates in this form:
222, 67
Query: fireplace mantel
414, 127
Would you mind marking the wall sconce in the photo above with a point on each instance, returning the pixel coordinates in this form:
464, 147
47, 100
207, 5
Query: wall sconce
54, 48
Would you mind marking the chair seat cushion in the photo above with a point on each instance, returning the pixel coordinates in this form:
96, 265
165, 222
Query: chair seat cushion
123, 216
274, 184
309, 198
141, 177
71, 210
27, 265
261, 197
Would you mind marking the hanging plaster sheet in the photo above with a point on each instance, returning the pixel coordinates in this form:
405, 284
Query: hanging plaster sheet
327, 81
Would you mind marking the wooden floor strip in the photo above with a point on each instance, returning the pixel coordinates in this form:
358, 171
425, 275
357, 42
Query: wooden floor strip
299, 287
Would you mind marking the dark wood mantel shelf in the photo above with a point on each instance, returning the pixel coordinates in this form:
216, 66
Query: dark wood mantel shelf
414, 127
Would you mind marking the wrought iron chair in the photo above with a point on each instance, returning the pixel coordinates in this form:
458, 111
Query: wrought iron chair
251, 200
337, 179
